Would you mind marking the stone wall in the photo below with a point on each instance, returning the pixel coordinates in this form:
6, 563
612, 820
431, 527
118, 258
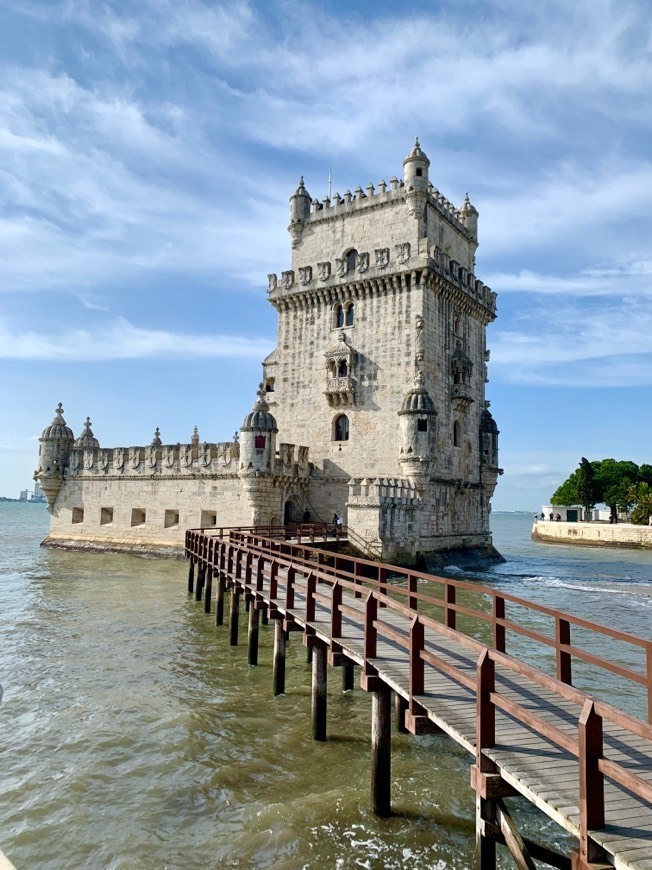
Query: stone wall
593, 534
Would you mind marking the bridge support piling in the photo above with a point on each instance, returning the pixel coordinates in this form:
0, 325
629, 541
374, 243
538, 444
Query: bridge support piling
485, 812
191, 576
252, 636
347, 678
234, 616
381, 751
279, 658
319, 686
209, 590
219, 601
400, 708
199, 588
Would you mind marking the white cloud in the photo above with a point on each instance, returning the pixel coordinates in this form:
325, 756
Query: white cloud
122, 340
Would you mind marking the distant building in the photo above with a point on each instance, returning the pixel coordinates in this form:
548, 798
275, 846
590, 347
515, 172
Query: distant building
23, 495
379, 373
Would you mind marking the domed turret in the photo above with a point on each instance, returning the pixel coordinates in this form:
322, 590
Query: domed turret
417, 419
299, 212
488, 440
258, 438
87, 439
469, 215
415, 168
56, 443
156, 440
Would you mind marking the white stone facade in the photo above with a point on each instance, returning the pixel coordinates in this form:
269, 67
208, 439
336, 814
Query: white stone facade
380, 367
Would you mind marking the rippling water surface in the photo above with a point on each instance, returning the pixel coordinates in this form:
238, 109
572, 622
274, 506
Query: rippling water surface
133, 736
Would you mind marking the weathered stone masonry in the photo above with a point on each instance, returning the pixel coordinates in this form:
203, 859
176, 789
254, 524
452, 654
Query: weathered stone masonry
380, 367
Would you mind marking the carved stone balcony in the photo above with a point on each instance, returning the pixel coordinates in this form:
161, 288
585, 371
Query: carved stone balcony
461, 396
339, 391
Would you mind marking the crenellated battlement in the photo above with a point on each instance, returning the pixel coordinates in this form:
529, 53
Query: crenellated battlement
166, 459
375, 266
384, 492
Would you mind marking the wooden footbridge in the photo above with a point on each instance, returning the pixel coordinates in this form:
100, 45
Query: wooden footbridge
448, 650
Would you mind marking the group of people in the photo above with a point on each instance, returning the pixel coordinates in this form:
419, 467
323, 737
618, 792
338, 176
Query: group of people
552, 517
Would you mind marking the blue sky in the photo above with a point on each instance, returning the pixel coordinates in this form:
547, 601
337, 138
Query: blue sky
148, 150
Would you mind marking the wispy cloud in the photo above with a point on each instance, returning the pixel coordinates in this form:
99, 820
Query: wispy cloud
122, 340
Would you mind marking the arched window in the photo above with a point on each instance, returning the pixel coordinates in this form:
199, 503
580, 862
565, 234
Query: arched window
342, 369
341, 428
339, 316
456, 434
351, 260
349, 314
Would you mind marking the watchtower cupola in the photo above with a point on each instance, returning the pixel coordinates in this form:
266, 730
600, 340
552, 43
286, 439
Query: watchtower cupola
87, 439
417, 419
299, 212
258, 438
415, 178
56, 442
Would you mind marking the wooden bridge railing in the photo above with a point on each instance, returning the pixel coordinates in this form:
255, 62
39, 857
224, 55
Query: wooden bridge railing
253, 558
367, 574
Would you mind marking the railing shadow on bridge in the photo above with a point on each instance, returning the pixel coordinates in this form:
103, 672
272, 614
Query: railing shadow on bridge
459, 631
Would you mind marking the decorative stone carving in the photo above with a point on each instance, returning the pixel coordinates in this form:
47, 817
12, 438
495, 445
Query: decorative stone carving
205, 456
340, 266
324, 271
419, 339
75, 461
89, 459
305, 274
272, 282
403, 252
185, 456
103, 460
119, 458
287, 279
363, 262
382, 258
134, 457
150, 456
168, 457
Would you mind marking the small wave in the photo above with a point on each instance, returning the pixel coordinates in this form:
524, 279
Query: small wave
454, 569
560, 583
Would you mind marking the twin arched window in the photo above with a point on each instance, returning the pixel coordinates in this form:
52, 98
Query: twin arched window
344, 315
341, 428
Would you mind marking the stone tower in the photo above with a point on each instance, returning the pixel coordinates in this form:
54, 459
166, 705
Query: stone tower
380, 364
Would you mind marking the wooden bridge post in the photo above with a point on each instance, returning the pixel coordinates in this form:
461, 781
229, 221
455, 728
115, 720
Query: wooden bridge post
400, 708
234, 615
486, 810
191, 576
280, 639
319, 685
219, 600
592, 814
201, 575
381, 751
209, 590
348, 677
564, 660
252, 635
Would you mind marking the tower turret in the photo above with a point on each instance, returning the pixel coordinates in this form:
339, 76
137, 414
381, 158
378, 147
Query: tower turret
417, 420
87, 439
488, 440
258, 438
299, 212
469, 215
55, 445
415, 178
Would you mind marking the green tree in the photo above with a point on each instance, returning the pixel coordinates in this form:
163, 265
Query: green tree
641, 497
567, 492
612, 480
585, 485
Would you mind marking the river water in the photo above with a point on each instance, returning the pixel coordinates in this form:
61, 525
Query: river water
133, 736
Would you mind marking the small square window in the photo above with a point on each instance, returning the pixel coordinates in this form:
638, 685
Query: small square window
419, 172
106, 516
422, 425
78, 515
171, 519
259, 442
138, 516
208, 518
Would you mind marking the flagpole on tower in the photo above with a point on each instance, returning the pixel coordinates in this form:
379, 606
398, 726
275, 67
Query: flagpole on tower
329, 182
